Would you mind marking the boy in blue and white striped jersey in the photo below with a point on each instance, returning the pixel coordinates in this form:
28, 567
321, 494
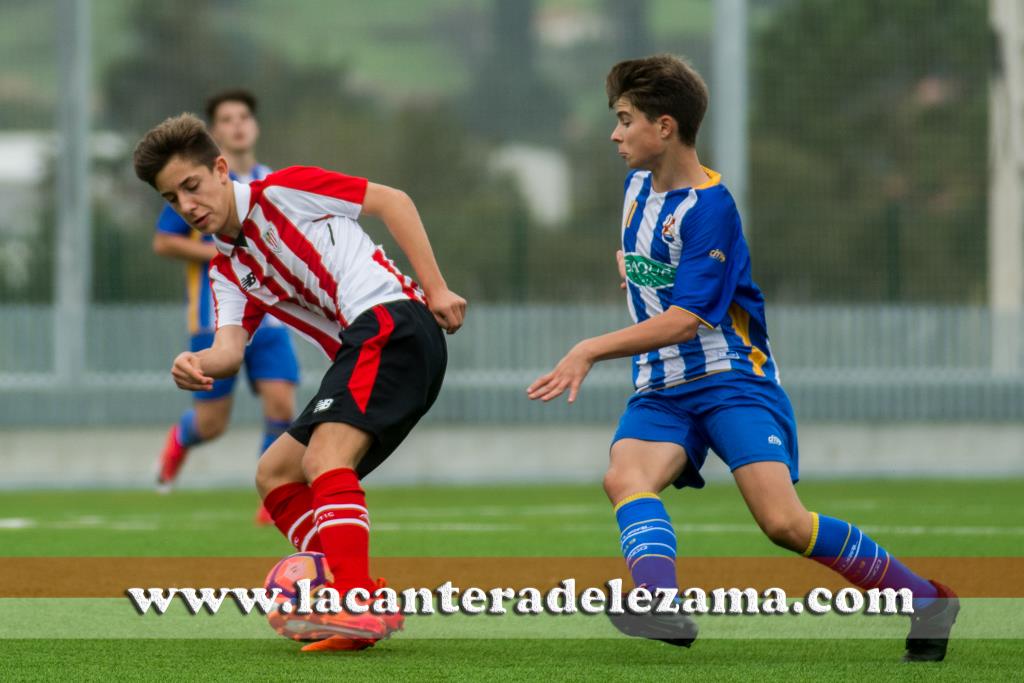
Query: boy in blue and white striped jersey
702, 367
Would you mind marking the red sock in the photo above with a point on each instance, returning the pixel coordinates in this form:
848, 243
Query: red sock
343, 525
291, 508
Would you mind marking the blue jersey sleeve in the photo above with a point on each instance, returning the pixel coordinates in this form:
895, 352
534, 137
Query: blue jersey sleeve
169, 221
710, 263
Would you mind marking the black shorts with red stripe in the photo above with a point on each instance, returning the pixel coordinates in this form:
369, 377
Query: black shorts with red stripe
383, 380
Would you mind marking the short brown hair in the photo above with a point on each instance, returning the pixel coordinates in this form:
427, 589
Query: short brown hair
183, 135
660, 85
234, 95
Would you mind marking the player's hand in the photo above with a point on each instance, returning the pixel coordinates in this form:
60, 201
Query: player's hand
568, 374
620, 258
449, 309
188, 373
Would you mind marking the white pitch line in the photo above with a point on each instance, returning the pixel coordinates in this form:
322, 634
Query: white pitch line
569, 510
901, 530
947, 530
445, 526
17, 523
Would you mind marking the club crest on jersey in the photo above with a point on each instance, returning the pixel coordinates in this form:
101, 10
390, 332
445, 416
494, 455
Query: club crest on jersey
270, 238
666, 229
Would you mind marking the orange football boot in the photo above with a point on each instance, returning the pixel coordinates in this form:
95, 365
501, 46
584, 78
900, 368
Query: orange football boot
342, 643
339, 644
394, 622
322, 626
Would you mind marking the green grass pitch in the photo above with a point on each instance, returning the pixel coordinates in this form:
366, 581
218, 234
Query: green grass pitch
929, 518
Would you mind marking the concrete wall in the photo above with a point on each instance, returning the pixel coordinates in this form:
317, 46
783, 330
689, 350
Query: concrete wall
59, 458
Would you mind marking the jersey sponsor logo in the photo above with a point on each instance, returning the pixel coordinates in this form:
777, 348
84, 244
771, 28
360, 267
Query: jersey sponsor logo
248, 282
718, 255
667, 234
270, 237
774, 440
322, 405
649, 273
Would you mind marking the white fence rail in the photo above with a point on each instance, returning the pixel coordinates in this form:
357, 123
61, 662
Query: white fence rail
888, 363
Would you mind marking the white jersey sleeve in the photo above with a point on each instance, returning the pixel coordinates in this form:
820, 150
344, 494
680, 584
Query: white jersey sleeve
231, 304
314, 193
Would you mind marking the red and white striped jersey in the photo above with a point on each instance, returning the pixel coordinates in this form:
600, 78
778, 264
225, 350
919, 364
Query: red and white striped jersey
302, 257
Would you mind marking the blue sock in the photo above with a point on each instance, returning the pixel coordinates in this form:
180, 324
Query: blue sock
648, 541
845, 549
271, 430
188, 433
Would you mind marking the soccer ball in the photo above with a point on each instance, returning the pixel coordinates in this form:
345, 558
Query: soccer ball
284, 576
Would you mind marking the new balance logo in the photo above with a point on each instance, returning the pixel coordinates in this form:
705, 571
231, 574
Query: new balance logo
248, 282
323, 405
774, 440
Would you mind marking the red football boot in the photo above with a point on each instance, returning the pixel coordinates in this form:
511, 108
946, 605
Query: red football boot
171, 460
263, 517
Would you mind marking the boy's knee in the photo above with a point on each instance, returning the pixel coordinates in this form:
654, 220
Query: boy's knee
279, 408
621, 482
787, 531
211, 426
272, 472
267, 477
610, 484
278, 399
312, 465
316, 461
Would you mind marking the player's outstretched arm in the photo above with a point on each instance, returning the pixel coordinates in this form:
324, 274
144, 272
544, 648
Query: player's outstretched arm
174, 246
674, 326
196, 371
399, 214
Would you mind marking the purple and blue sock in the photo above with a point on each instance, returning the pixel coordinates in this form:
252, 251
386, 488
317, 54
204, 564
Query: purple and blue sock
648, 541
847, 550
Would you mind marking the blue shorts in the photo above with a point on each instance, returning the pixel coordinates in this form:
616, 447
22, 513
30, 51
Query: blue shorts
743, 419
269, 356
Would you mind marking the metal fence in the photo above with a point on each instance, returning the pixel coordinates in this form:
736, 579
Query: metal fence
857, 135
887, 363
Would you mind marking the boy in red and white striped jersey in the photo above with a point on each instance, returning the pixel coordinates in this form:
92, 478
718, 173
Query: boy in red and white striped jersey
289, 246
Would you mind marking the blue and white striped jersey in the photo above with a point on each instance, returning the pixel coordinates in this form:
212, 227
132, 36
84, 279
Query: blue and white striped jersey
685, 248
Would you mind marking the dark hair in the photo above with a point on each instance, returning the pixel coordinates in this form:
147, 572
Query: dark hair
235, 95
183, 135
660, 85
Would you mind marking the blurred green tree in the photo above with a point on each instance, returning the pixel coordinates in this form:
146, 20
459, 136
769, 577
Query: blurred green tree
312, 115
869, 150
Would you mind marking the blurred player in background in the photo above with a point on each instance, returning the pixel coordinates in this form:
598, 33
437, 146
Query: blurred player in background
702, 367
270, 362
289, 246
